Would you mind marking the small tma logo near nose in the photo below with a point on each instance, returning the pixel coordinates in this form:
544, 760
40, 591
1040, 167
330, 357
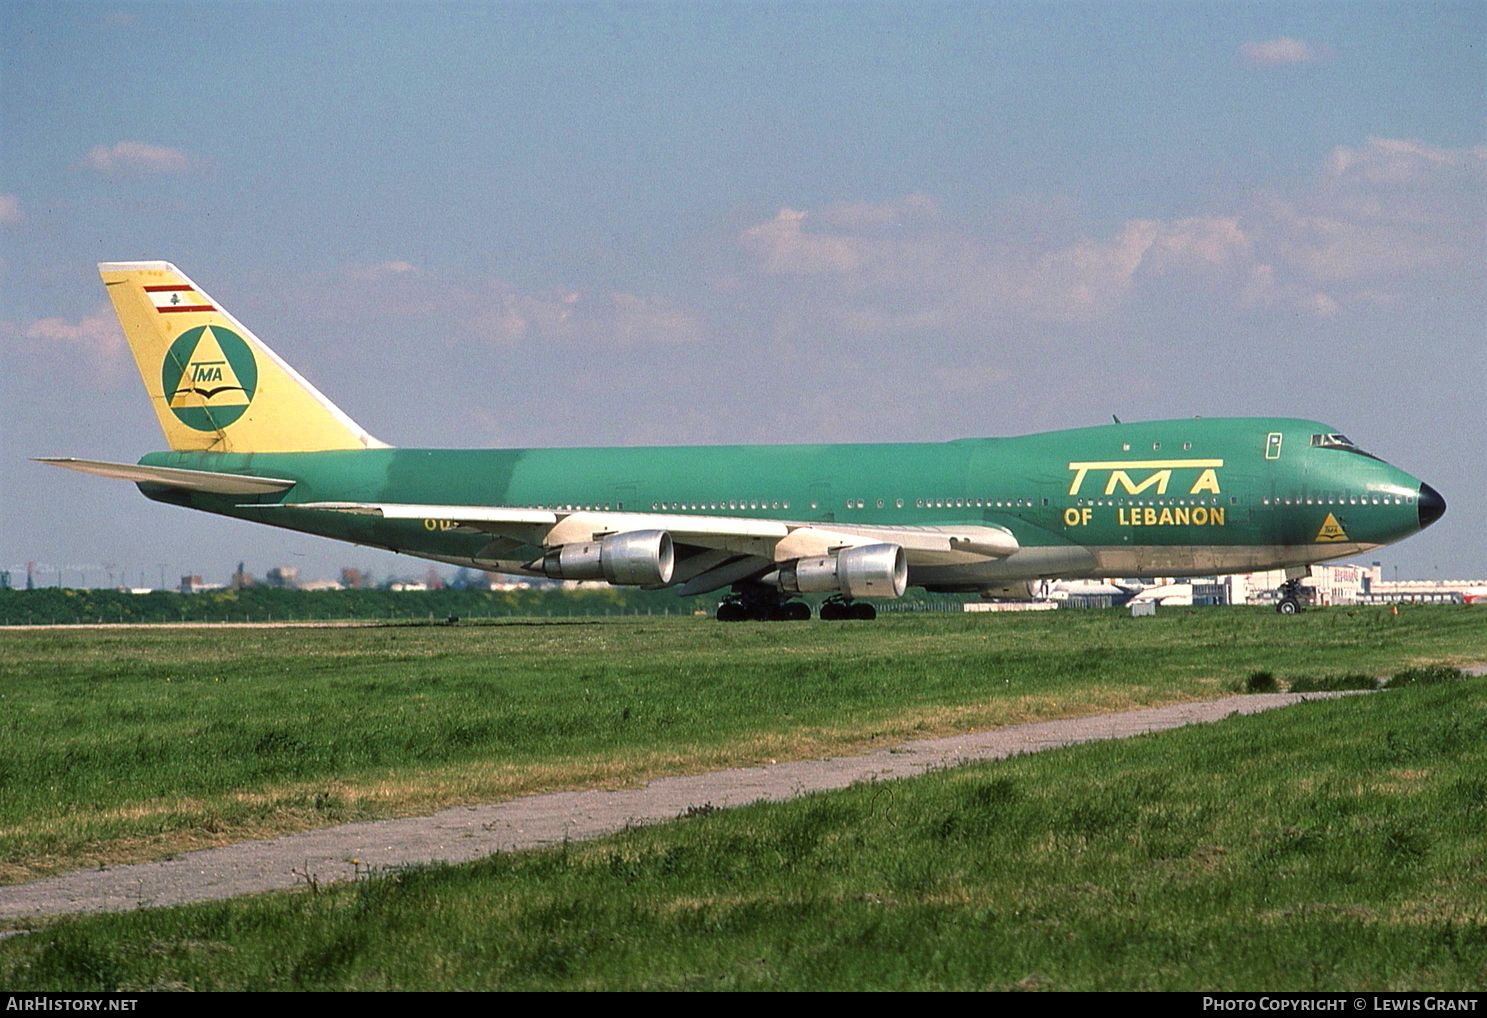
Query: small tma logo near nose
209, 377
1331, 530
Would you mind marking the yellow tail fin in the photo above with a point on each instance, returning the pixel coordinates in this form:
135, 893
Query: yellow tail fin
214, 384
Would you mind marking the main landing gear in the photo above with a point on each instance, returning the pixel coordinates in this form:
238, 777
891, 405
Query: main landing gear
766, 604
762, 604
836, 608
1290, 597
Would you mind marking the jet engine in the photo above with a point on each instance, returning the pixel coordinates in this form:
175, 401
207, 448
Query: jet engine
874, 570
635, 558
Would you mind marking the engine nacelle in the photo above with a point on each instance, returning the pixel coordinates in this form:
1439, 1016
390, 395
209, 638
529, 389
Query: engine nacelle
635, 558
874, 570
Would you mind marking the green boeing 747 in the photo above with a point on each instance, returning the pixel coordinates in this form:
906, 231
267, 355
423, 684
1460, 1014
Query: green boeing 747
251, 438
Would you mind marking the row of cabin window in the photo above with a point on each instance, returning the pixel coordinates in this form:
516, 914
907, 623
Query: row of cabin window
974, 503
1233, 500
1350, 500
968, 503
851, 503
731, 504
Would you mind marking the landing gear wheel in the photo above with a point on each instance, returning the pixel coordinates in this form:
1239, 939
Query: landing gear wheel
732, 611
761, 604
836, 610
1290, 598
795, 611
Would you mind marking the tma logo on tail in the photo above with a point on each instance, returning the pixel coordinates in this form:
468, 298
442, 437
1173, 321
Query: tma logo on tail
209, 377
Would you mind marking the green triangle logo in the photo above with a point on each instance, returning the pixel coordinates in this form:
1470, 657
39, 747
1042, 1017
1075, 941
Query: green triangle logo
209, 377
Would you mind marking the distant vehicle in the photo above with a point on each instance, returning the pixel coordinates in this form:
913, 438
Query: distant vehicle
250, 438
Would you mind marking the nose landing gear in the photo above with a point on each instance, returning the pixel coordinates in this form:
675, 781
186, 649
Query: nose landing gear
1291, 597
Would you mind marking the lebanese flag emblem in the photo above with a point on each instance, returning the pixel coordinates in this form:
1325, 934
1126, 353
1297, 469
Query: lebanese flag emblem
176, 298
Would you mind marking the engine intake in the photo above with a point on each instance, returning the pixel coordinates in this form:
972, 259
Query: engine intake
635, 558
874, 570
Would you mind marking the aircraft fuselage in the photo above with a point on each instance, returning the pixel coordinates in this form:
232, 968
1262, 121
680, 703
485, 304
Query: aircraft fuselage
1183, 497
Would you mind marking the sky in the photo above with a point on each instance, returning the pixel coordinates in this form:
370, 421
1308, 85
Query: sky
552, 224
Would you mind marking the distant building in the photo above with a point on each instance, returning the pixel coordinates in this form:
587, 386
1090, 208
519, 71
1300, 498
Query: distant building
352, 578
1379, 590
1347, 584
242, 579
283, 576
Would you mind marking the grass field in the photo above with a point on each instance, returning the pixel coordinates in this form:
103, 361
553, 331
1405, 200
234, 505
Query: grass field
1335, 845
130, 744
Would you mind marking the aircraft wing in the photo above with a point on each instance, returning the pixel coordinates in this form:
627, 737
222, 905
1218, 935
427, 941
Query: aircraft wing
779, 540
713, 551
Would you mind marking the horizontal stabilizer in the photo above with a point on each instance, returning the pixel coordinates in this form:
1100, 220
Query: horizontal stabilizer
172, 477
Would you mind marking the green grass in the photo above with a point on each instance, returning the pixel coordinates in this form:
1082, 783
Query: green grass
1335, 845
121, 745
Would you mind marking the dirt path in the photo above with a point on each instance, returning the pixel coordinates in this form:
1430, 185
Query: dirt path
464, 833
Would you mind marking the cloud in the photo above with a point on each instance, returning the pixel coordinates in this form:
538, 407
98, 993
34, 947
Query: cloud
1388, 209
93, 345
502, 315
495, 312
783, 246
382, 270
97, 334
912, 209
1402, 160
1281, 52
10, 209
651, 321
1375, 219
137, 156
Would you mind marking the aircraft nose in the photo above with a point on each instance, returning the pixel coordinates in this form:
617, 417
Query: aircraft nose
1432, 506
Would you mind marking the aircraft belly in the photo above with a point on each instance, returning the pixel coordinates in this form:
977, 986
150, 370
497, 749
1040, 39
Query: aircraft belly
1153, 560
1025, 564
1071, 562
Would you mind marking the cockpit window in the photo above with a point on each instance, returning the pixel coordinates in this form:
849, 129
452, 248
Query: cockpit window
1337, 441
